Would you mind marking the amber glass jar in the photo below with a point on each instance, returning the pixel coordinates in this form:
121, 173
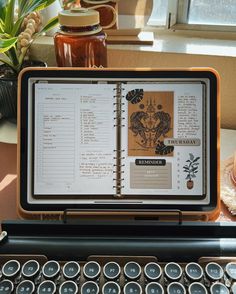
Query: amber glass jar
106, 15
80, 42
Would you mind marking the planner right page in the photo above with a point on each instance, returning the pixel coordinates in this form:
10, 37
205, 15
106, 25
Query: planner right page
163, 140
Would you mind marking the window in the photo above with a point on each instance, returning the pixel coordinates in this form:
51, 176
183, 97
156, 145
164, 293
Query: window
195, 14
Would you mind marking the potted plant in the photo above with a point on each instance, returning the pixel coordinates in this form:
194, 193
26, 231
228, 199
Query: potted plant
191, 168
20, 25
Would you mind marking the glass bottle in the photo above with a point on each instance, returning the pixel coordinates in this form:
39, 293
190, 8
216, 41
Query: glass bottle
80, 42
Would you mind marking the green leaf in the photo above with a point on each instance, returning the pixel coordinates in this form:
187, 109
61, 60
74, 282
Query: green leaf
17, 27
22, 6
50, 25
9, 19
36, 5
3, 4
6, 44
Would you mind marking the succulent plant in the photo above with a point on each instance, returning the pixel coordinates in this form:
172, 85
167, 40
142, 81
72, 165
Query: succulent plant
20, 25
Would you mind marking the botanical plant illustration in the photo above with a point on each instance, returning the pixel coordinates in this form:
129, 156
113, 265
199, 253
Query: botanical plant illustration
191, 169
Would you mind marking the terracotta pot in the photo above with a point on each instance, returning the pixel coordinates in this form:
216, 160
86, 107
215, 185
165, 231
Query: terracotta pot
8, 90
189, 184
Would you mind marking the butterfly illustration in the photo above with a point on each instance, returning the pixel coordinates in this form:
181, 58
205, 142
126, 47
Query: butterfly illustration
135, 96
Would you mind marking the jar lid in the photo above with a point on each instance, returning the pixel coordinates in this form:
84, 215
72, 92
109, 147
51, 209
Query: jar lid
79, 17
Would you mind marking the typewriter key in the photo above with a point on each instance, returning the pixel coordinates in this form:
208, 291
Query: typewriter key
111, 270
230, 270
132, 288
214, 271
152, 271
51, 269
68, 287
48, 287
219, 288
6, 287
176, 288
89, 287
132, 270
173, 271
197, 288
30, 269
193, 271
111, 288
11, 269
25, 287
71, 270
154, 288
91, 270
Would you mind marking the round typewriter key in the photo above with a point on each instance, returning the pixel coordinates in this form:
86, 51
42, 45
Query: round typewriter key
152, 271
154, 288
89, 287
230, 270
176, 288
219, 288
132, 270
214, 271
11, 268
132, 288
197, 288
6, 287
193, 271
68, 287
233, 288
48, 287
30, 269
173, 271
51, 269
111, 288
25, 287
111, 270
71, 270
91, 270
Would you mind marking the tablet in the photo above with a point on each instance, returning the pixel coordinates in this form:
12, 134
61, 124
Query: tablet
118, 140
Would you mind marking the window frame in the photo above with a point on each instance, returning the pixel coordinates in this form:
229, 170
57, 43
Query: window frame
177, 19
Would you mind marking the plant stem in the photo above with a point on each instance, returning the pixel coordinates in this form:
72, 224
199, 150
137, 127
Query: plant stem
13, 55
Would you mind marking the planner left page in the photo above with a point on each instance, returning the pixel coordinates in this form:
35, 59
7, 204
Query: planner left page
74, 139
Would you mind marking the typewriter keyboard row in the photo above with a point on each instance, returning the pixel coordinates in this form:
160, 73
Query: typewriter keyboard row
112, 277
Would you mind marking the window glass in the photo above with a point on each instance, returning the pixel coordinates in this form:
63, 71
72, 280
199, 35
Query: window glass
212, 12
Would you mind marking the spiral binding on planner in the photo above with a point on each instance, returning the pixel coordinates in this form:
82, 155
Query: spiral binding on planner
118, 151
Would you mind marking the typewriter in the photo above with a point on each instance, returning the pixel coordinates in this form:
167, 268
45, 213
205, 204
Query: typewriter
118, 185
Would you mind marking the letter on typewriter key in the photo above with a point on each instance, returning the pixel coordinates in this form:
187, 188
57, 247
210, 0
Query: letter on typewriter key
111, 288
132, 288
25, 287
30, 269
154, 288
71, 270
89, 287
68, 287
173, 271
91, 270
111, 270
193, 271
132, 270
197, 288
219, 288
48, 287
6, 287
51, 269
152, 271
11, 269
214, 271
176, 288
230, 270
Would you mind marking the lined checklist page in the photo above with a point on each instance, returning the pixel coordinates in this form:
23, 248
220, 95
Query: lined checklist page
74, 139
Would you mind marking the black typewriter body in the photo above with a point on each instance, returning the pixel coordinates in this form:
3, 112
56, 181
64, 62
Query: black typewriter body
117, 257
